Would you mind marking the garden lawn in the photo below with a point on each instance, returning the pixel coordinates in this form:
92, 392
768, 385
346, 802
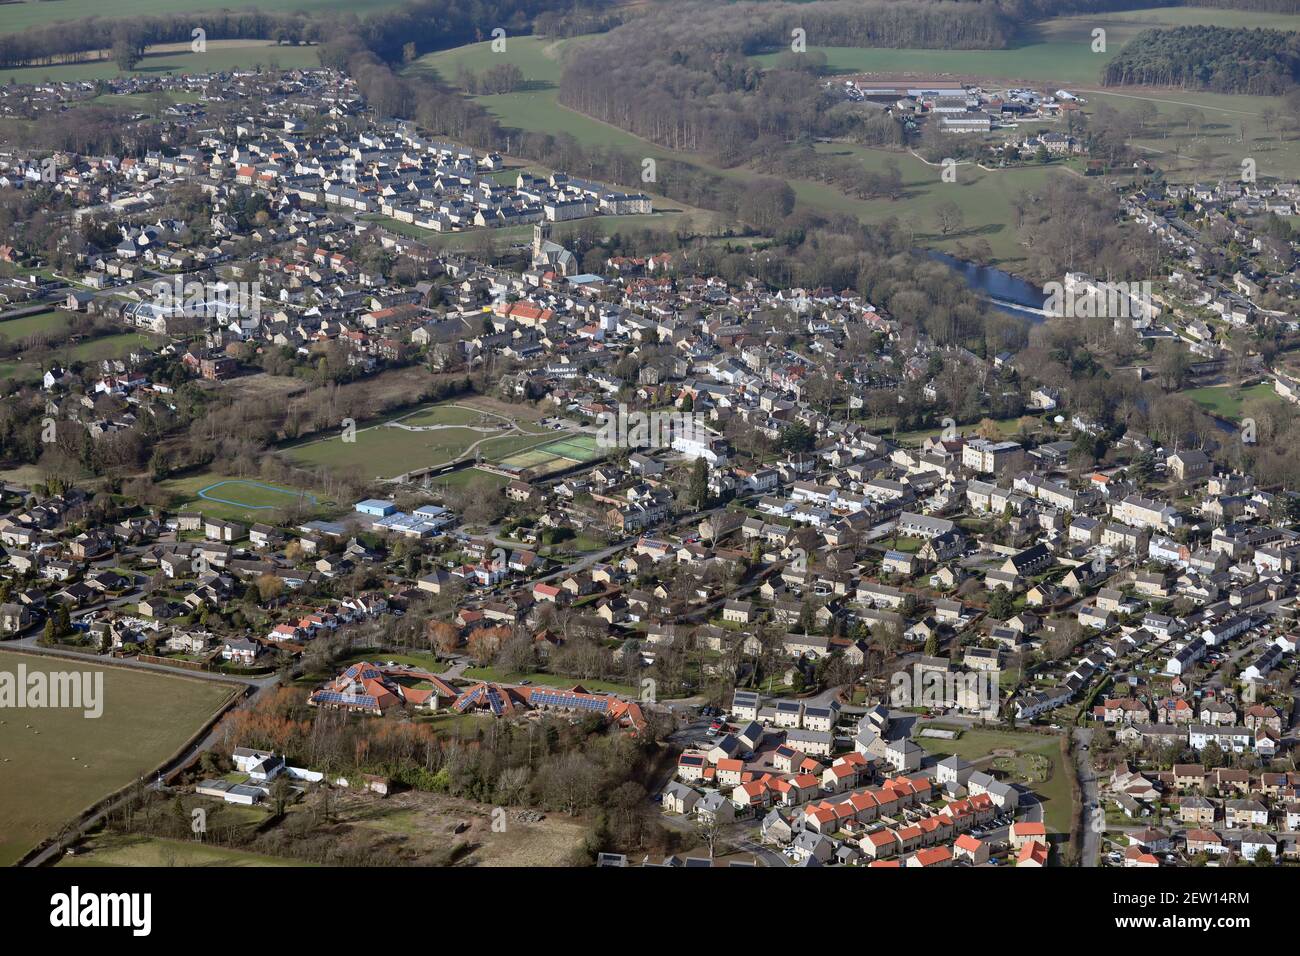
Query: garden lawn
1227, 402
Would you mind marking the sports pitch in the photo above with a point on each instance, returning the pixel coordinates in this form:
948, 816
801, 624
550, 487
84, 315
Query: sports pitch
424, 438
253, 495
215, 495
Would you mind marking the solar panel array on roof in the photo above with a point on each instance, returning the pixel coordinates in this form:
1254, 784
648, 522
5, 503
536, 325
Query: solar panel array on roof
495, 702
469, 699
352, 700
552, 698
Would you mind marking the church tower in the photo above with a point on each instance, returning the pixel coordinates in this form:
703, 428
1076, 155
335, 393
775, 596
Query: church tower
541, 235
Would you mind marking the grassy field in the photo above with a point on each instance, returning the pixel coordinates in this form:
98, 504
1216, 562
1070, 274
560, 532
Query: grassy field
34, 13
1227, 402
19, 371
978, 745
57, 762
533, 107
538, 58
112, 849
429, 662
239, 499
471, 477
1207, 135
985, 198
389, 449
221, 55
24, 368
15, 330
106, 346
450, 415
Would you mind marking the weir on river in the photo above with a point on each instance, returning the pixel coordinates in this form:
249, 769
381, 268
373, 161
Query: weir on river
1005, 292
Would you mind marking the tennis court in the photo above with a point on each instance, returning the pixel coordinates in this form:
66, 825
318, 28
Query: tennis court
577, 448
554, 456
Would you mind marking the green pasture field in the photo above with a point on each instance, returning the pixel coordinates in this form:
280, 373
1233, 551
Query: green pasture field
53, 322
38, 13
985, 198
91, 350
538, 58
54, 763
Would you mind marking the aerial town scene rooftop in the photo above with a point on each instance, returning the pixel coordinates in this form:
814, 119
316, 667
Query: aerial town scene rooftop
624, 435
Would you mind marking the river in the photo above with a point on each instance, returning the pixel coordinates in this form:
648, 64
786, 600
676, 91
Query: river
1005, 292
